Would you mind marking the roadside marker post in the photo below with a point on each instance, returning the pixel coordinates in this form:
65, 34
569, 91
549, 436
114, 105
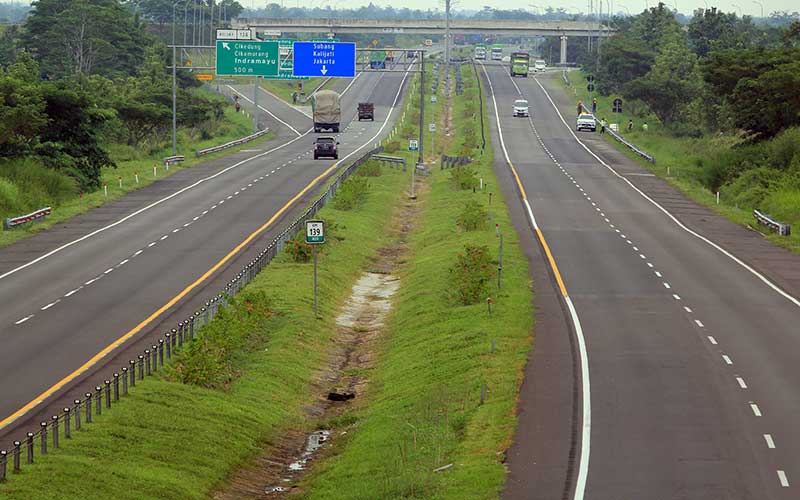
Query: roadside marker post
315, 235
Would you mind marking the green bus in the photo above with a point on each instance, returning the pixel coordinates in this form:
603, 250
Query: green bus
520, 62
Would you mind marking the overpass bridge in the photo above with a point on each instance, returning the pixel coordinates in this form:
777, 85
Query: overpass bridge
563, 29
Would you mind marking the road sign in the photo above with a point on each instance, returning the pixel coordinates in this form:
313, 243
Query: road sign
590, 87
413, 145
227, 34
434, 98
431, 127
617, 106
286, 61
315, 232
271, 33
242, 58
336, 59
204, 77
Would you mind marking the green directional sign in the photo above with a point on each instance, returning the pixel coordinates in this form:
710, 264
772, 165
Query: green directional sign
286, 61
247, 58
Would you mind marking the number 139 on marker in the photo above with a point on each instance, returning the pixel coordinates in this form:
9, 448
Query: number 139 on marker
315, 232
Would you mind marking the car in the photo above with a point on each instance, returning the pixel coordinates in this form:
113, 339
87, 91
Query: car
586, 121
520, 107
327, 147
505, 59
539, 65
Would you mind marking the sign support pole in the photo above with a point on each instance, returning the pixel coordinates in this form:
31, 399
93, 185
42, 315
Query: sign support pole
255, 105
421, 108
174, 101
314, 253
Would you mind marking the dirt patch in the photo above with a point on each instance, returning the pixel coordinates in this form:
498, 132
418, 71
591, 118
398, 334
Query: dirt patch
344, 383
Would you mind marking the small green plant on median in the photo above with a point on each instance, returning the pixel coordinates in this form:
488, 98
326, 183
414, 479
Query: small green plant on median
352, 193
471, 275
473, 216
464, 177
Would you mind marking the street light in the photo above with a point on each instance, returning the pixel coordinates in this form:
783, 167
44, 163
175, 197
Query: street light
762, 7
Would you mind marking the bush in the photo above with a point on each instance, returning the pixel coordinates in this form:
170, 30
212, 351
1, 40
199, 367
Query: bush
371, 168
26, 185
351, 194
752, 187
464, 177
784, 148
472, 216
471, 275
297, 248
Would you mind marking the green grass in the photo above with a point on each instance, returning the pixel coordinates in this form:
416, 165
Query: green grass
131, 161
285, 88
679, 160
173, 441
425, 409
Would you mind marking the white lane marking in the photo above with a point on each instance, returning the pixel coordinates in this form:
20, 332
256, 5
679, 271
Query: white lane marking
23, 320
123, 262
674, 219
51, 304
770, 441
649, 264
272, 172
205, 212
727, 359
586, 400
262, 108
229, 197
72, 292
251, 185
164, 237
666, 285
237, 192
176, 230
108, 270
606, 219
187, 224
195, 219
137, 253
612, 226
641, 255
636, 249
151, 244
90, 281
629, 242
658, 274
221, 202
687, 309
712, 340
699, 323
676, 296
740, 380
756, 409
783, 479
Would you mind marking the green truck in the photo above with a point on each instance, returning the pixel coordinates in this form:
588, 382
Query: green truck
520, 62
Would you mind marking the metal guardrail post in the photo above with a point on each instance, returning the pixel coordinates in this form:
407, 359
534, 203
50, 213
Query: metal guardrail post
67, 418
17, 456
77, 414
88, 405
29, 443
43, 437
55, 431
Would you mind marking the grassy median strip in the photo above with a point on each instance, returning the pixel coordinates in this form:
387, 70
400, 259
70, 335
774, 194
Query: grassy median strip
425, 412
687, 164
246, 379
133, 164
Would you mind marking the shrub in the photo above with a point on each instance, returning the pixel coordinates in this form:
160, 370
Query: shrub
298, 249
371, 168
752, 187
464, 177
351, 194
472, 216
471, 275
26, 185
784, 148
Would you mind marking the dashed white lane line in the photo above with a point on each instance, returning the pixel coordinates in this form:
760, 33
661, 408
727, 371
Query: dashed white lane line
687, 309
72, 292
636, 249
90, 281
712, 340
151, 244
783, 479
137, 253
272, 172
123, 262
658, 274
164, 237
187, 224
756, 409
699, 323
176, 230
51, 304
676, 296
206, 211
770, 441
642, 256
666, 285
108, 270
23, 320
229, 197
194, 219
727, 359
740, 380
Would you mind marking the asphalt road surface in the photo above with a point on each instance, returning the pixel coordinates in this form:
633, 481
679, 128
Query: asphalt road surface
663, 368
70, 292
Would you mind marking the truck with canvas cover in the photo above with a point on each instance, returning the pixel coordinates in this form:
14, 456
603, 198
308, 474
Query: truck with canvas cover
327, 111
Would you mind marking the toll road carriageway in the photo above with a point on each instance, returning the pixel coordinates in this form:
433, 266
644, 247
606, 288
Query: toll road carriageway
668, 368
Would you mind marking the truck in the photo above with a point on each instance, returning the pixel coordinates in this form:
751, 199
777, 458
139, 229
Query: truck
497, 53
480, 52
327, 111
520, 62
366, 111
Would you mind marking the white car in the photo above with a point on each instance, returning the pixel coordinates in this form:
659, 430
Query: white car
521, 108
586, 122
506, 59
539, 65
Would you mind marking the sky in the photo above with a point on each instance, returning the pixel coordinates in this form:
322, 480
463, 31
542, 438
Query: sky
746, 7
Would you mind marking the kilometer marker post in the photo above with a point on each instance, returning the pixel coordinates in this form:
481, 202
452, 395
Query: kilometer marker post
315, 235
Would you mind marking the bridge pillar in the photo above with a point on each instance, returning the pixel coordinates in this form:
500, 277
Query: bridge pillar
563, 60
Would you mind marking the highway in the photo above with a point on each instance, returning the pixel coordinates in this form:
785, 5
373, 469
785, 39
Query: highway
133, 267
662, 367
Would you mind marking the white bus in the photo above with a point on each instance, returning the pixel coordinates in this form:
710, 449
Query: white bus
497, 53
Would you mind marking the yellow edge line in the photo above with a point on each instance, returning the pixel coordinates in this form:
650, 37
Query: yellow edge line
72, 376
540, 235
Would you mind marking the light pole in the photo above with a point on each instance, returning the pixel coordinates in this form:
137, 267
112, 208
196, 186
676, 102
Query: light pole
762, 7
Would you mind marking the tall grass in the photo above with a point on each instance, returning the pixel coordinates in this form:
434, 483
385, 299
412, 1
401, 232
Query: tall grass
26, 185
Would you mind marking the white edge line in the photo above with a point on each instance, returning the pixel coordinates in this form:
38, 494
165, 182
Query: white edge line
674, 219
783, 479
770, 441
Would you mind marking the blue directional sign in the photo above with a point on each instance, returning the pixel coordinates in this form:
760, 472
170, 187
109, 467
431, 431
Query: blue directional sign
325, 59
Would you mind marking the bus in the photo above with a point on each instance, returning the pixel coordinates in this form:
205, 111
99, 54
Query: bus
497, 53
480, 52
520, 62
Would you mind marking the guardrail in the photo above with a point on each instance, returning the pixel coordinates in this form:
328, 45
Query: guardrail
108, 392
12, 222
172, 160
454, 161
779, 227
390, 160
231, 144
644, 154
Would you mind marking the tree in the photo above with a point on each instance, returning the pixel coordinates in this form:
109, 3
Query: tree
770, 101
623, 60
652, 25
22, 109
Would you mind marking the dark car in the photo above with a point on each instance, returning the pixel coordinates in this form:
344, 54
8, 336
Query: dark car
366, 111
327, 147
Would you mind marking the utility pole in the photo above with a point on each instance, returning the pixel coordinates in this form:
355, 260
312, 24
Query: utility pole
174, 101
447, 38
421, 159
